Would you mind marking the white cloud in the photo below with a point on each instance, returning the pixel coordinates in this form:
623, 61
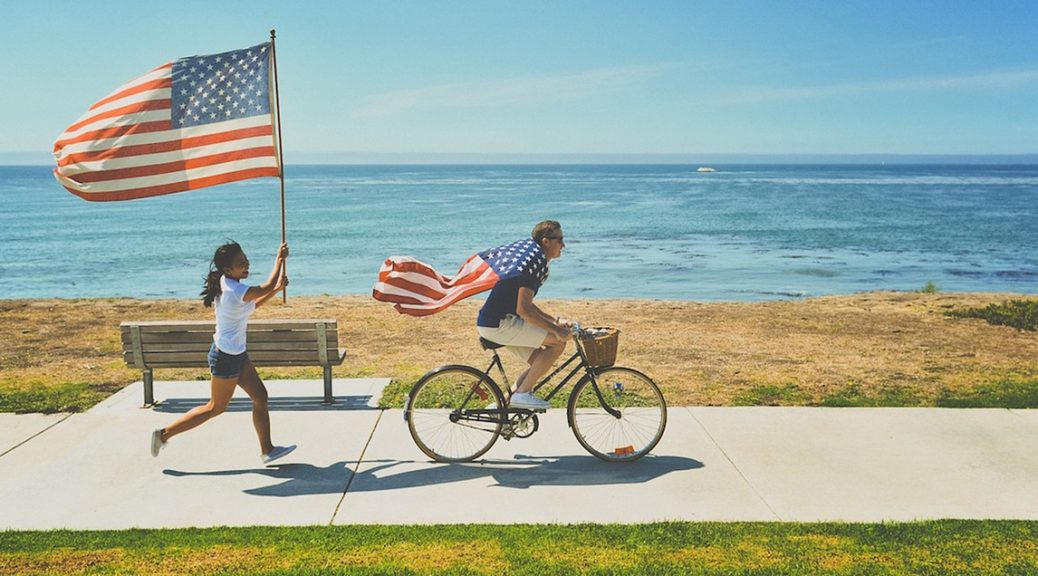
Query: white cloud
509, 92
990, 80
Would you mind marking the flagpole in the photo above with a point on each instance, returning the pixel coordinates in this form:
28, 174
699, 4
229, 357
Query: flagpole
281, 159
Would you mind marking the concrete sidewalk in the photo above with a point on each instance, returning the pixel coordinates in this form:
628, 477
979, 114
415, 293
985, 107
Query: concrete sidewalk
358, 464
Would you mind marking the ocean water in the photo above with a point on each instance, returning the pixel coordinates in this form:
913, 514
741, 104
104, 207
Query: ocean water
744, 232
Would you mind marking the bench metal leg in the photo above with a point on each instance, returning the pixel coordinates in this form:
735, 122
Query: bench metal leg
328, 386
149, 391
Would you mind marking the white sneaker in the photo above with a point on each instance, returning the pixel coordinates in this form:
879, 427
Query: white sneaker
277, 452
528, 401
156, 442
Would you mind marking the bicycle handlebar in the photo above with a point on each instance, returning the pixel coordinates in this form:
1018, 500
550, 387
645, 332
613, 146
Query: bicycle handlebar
578, 332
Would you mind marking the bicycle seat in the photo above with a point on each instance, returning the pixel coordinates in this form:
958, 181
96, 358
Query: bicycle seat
488, 345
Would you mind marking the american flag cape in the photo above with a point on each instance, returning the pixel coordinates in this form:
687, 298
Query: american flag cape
416, 289
194, 122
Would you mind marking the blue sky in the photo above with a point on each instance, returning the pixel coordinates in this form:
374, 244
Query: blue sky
563, 77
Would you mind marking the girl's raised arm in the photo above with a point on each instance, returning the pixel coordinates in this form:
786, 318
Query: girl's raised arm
275, 282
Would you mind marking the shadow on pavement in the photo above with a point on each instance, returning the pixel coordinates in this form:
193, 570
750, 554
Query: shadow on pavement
521, 473
281, 403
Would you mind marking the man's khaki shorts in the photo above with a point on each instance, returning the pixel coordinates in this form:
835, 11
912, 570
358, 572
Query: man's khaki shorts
517, 335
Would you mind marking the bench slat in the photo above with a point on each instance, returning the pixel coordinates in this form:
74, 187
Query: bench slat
195, 359
310, 356
165, 359
199, 338
179, 325
253, 347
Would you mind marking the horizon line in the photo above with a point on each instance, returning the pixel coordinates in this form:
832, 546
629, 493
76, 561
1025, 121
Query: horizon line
520, 158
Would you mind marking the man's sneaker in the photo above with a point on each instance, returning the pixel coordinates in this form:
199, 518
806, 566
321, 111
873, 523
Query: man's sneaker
277, 452
528, 401
156, 442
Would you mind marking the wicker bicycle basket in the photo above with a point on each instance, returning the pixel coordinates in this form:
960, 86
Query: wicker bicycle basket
600, 345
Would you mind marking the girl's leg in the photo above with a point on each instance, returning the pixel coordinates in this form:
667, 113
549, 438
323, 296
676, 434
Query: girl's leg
250, 381
221, 390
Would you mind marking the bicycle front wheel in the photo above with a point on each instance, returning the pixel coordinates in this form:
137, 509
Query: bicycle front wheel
454, 415
619, 416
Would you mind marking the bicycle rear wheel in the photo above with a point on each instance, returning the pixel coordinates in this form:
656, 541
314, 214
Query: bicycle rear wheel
637, 420
452, 413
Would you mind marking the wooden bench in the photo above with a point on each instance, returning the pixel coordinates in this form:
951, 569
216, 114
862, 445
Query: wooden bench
185, 344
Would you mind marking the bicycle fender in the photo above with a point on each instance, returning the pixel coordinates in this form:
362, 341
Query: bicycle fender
573, 396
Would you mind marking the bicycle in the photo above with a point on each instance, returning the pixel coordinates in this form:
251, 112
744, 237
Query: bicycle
456, 413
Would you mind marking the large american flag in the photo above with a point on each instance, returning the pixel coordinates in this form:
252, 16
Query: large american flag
191, 123
416, 289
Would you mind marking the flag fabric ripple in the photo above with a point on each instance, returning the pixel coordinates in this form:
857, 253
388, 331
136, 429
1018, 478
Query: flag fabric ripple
416, 289
191, 123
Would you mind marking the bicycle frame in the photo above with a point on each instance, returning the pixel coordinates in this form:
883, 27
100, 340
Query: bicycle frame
621, 417
581, 364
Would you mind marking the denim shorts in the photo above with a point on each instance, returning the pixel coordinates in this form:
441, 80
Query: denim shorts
224, 365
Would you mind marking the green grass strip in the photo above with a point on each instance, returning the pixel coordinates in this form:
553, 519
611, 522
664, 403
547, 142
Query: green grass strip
1020, 314
959, 547
62, 397
1002, 394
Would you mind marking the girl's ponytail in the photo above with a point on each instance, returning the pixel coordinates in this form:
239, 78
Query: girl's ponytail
211, 289
223, 258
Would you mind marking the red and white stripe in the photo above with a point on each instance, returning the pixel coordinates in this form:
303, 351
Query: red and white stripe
416, 289
125, 146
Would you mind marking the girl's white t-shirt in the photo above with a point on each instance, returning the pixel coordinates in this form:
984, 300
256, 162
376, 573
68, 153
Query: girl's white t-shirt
232, 316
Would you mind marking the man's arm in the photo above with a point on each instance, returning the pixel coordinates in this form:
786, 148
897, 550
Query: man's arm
532, 313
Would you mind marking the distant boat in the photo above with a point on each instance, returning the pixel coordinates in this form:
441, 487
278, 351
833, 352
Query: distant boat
705, 169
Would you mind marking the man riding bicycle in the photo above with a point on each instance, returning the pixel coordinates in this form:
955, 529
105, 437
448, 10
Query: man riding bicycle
509, 316
618, 414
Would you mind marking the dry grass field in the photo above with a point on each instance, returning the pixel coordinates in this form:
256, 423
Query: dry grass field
871, 349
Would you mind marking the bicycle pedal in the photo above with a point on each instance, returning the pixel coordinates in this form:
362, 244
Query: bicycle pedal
528, 411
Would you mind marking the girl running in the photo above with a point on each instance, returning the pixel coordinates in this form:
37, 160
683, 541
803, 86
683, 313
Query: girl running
228, 360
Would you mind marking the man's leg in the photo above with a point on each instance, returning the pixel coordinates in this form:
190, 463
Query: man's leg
540, 361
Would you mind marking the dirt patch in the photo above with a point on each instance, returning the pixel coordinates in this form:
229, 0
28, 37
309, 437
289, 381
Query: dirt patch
896, 344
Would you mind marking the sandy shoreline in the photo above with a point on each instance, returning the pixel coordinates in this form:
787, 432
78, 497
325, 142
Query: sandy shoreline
891, 347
